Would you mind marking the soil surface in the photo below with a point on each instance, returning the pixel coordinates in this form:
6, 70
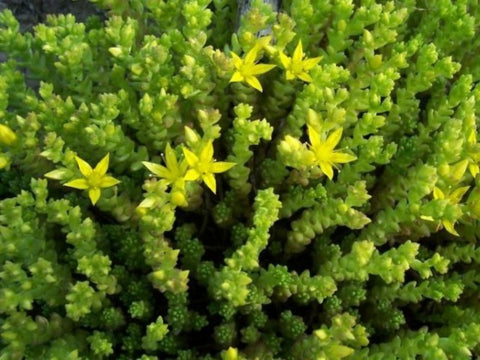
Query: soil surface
31, 12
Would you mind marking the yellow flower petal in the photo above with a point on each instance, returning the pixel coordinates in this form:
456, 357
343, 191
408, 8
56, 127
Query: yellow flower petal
108, 181
102, 166
298, 53
314, 137
209, 180
289, 75
259, 45
221, 166
450, 227
260, 69
206, 154
263, 41
191, 158
305, 77
334, 138
251, 55
342, 158
159, 170
170, 158
457, 194
253, 82
237, 77
326, 169
94, 195
309, 64
192, 175
285, 60
84, 167
237, 60
182, 167
437, 193
81, 184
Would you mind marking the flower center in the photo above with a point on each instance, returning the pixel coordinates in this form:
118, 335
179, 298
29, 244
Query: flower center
94, 180
296, 68
202, 167
322, 153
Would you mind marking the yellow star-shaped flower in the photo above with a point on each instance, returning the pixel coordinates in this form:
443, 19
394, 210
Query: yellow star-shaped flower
296, 67
246, 70
94, 179
174, 172
453, 198
323, 150
204, 166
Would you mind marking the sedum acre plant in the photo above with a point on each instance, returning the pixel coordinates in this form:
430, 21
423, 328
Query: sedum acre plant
305, 186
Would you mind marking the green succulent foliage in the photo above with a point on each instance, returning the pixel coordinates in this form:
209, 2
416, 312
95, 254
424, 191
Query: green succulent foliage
346, 226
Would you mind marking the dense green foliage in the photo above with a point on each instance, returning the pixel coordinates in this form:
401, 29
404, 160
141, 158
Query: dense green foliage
326, 207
